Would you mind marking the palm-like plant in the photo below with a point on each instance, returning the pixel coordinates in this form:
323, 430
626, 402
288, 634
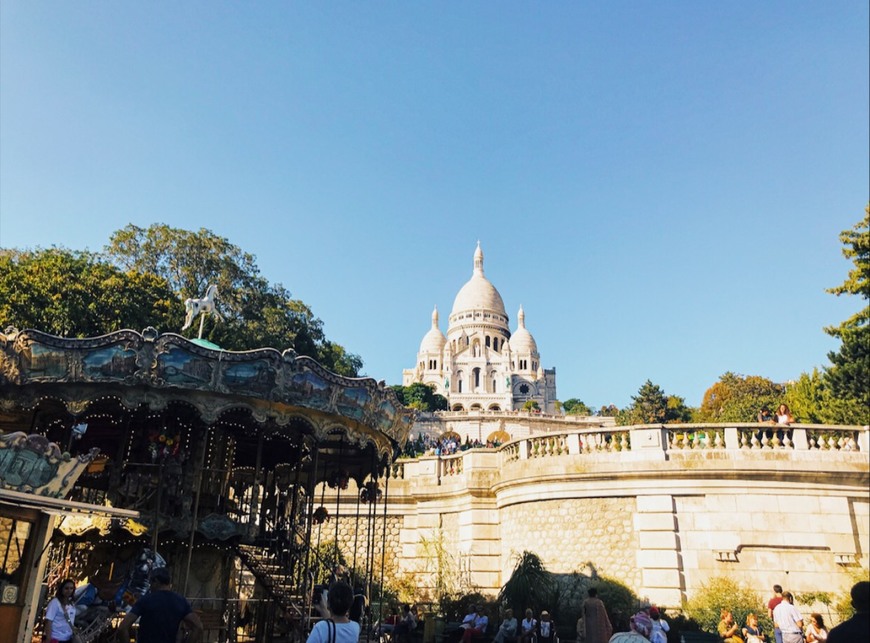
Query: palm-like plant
530, 585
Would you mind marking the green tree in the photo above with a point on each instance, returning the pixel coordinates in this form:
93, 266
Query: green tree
678, 411
575, 406
809, 399
531, 405
256, 313
738, 398
649, 406
76, 294
609, 411
421, 397
848, 376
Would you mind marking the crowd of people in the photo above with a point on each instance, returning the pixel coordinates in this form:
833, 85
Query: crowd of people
444, 445
790, 626
162, 612
649, 624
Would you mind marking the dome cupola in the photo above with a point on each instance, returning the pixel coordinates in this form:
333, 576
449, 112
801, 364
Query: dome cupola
434, 340
522, 341
478, 295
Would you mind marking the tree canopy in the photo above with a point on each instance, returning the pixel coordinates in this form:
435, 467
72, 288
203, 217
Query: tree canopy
739, 398
652, 405
421, 397
77, 294
848, 376
142, 280
574, 406
257, 313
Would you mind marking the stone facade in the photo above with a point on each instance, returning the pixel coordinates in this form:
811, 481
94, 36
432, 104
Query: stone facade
574, 536
643, 505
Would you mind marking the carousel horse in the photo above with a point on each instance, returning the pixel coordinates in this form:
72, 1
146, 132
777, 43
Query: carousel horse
196, 307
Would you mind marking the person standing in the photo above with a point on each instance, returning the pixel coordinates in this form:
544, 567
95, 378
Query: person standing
789, 620
160, 613
660, 627
856, 628
335, 627
60, 615
771, 605
594, 625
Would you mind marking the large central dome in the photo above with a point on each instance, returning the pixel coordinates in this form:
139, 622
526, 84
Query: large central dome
478, 293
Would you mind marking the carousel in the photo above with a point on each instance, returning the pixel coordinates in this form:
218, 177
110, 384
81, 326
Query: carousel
134, 450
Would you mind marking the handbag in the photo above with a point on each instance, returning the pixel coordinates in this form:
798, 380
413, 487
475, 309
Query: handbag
76, 637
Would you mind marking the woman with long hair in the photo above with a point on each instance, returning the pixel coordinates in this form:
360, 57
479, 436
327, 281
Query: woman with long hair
816, 630
60, 615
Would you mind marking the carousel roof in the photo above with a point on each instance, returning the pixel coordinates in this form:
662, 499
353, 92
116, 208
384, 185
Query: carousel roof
157, 369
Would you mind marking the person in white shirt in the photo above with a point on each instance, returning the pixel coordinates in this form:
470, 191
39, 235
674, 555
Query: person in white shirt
789, 620
335, 627
528, 627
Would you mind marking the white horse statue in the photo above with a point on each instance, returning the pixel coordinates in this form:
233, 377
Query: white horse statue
203, 306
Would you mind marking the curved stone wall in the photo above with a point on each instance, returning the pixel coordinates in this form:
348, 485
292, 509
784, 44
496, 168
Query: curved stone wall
659, 508
574, 536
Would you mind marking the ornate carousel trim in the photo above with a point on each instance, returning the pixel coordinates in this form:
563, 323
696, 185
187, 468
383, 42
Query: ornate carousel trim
162, 368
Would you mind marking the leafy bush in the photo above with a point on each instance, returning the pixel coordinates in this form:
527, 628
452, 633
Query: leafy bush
721, 592
621, 602
843, 600
679, 624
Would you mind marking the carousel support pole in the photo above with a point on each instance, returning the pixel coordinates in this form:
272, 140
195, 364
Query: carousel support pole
255, 489
156, 534
201, 324
383, 548
307, 581
203, 451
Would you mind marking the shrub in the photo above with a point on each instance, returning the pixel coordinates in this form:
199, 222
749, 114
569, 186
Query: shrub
843, 600
721, 592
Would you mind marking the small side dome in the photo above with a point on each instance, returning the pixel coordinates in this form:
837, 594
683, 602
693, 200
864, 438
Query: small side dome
434, 340
522, 341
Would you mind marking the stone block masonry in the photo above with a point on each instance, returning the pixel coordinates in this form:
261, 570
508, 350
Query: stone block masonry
662, 518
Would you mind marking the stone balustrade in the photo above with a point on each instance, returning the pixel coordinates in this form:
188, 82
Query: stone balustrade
664, 442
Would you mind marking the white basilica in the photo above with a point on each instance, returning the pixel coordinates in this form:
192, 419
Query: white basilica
480, 365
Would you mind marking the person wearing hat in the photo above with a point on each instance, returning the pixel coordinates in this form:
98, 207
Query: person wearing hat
160, 613
546, 628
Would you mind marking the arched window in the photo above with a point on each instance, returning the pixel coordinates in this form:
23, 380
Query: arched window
487, 341
494, 386
458, 380
495, 343
476, 378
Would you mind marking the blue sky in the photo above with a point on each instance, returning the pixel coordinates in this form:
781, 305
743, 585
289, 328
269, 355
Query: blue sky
661, 185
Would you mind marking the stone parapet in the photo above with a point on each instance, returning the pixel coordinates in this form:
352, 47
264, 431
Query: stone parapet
659, 508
